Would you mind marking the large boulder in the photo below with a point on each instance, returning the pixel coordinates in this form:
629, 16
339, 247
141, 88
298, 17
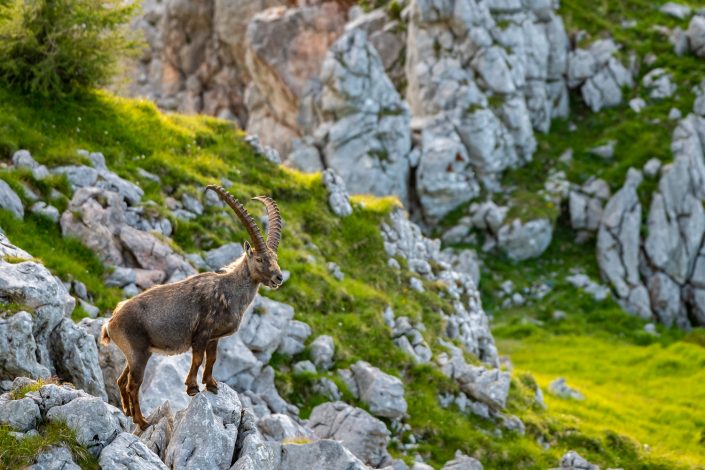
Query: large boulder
75, 356
364, 123
127, 452
19, 350
30, 284
365, 436
285, 49
325, 453
618, 247
201, 439
110, 358
95, 423
21, 415
383, 393
10, 201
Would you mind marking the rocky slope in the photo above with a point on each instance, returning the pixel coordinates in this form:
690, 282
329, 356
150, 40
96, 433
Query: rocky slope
434, 103
376, 351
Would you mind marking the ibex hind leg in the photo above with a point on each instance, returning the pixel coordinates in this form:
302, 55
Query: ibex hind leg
211, 352
134, 381
124, 395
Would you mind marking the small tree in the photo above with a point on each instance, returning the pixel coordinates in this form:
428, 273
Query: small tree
55, 47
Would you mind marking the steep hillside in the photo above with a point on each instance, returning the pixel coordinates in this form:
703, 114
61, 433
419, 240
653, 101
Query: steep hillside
611, 427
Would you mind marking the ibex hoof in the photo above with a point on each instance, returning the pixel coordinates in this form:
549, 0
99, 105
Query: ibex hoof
213, 388
142, 424
192, 390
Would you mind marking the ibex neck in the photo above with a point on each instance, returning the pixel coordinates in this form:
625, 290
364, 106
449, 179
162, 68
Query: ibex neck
239, 272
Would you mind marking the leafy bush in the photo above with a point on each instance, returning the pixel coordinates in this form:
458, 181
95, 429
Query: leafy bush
54, 47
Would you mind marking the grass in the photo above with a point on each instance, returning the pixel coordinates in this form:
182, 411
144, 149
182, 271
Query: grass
650, 393
22, 391
20, 453
190, 152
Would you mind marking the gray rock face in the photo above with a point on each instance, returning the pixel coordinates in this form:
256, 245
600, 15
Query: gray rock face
325, 453
489, 386
110, 359
462, 462
21, 415
468, 323
676, 10
560, 388
45, 210
76, 358
128, 453
338, 199
696, 35
31, 284
282, 69
364, 123
659, 83
383, 393
83, 176
323, 351
599, 74
525, 240
157, 436
9, 200
23, 159
362, 434
279, 427
18, 357
573, 461
55, 458
201, 439
253, 452
618, 247
222, 256
265, 326
100, 217
586, 203
95, 423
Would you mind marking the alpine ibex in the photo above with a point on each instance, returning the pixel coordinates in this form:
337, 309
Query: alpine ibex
195, 312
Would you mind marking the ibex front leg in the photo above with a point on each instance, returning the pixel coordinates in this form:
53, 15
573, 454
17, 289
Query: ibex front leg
211, 352
198, 348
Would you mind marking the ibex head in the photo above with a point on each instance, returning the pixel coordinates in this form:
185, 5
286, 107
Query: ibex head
262, 260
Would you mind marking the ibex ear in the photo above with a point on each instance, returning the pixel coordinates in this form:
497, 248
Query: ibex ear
248, 249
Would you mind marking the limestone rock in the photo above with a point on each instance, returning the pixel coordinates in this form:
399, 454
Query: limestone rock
618, 246
222, 256
659, 83
337, 193
9, 200
21, 415
525, 240
325, 453
75, 357
462, 462
285, 49
55, 458
95, 423
323, 351
367, 137
383, 393
279, 427
18, 357
201, 439
362, 434
127, 452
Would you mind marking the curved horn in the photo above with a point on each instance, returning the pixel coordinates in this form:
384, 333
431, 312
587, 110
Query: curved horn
243, 215
274, 224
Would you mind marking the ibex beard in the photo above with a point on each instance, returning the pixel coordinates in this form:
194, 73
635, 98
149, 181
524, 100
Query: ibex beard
195, 312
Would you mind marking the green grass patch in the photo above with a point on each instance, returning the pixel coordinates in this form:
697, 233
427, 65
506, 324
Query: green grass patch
20, 453
22, 391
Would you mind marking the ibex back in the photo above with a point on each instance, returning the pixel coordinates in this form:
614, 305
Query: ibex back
196, 312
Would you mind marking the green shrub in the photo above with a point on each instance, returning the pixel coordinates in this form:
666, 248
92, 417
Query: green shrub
54, 47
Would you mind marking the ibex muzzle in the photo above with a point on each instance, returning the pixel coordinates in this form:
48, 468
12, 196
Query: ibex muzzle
196, 312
